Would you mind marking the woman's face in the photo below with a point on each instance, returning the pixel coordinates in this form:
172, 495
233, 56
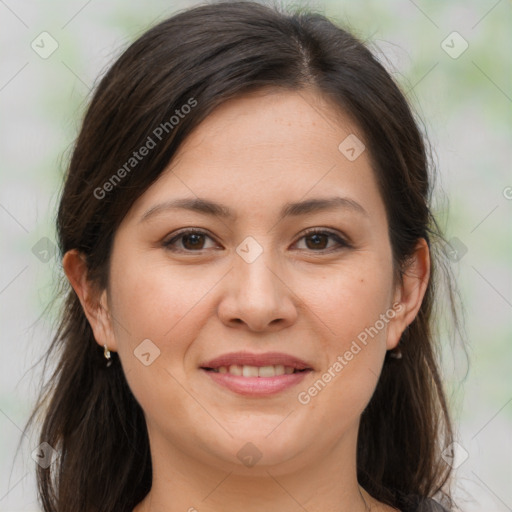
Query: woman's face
256, 282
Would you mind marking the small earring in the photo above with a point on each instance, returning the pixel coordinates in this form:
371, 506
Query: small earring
106, 353
396, 353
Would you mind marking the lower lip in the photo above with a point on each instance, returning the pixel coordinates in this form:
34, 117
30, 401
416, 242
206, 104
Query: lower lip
257, 386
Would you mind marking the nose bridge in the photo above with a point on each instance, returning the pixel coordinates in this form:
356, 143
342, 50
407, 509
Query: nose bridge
257, 295
256, 282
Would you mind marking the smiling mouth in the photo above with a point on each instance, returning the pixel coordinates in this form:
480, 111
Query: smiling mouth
256, 371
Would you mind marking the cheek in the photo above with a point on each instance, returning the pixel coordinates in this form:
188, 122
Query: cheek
167, 306
161, 306
348, 299
153, 301
353, 314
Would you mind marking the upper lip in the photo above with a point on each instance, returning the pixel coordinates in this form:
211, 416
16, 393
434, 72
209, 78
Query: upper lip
251, 359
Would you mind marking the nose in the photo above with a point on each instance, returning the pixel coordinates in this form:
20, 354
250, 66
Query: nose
257, 297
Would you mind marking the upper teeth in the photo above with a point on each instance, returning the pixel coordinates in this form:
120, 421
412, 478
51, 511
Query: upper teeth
255, 371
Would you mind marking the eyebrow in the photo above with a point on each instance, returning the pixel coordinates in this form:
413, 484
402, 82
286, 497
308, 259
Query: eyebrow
215, 209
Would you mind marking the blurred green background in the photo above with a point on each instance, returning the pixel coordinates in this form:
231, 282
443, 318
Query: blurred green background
463, 95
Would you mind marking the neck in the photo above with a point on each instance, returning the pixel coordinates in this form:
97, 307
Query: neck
182, 482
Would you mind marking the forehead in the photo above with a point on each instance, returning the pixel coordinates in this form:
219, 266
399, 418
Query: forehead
269, 146
271, 123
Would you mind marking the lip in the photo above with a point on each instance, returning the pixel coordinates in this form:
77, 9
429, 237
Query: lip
251, 359
256, 386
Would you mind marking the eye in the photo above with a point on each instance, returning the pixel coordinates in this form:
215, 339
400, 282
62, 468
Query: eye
192, 240
319, 238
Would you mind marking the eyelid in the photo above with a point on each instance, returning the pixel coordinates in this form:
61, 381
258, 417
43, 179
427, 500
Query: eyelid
342, 241
186, 231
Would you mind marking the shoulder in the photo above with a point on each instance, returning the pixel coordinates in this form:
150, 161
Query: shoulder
414, 503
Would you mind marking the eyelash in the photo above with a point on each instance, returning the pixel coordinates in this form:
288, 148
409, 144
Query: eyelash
342, 244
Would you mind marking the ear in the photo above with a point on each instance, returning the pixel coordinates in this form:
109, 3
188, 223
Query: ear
409, 292
94, 302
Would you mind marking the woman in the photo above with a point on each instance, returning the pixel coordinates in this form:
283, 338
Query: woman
245, 225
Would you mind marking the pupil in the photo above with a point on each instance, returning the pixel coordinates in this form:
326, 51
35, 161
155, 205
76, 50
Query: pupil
316, 238
195, 239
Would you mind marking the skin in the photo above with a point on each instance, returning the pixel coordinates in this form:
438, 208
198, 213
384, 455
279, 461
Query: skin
254, 154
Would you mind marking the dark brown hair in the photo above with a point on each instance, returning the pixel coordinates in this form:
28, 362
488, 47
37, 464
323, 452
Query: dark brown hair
202, 57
